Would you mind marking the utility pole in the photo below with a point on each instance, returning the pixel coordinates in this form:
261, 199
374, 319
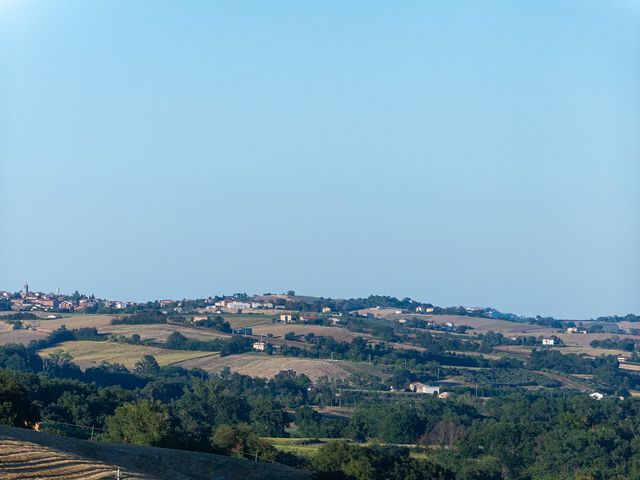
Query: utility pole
92, 427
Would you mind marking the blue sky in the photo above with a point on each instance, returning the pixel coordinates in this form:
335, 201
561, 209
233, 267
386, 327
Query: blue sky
475, 153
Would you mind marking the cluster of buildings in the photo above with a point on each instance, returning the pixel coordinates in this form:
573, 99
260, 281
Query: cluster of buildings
233, 305
576, 330
308, 318
39, 301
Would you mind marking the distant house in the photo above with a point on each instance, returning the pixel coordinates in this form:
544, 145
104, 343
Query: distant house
308, 318
199, 318
419, 387
335, 320
572, 330
398, 312
286, 318
164, 303
548, 341
596, 395
326, 309
48, 302
238, 305
424, 309
444, 395
622, 359
65, 305
402, 320
261, 346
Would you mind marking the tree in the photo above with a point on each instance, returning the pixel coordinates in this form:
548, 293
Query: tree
268, 420
15, 406
241, 441
141, 423
147, 365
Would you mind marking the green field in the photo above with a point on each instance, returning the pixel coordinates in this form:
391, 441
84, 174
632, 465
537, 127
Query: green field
86, 352
308, 447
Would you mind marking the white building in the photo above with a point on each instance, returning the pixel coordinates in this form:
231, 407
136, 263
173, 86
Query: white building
548, 341
238, 305
261, 346
596, 395
286, 318
419, 387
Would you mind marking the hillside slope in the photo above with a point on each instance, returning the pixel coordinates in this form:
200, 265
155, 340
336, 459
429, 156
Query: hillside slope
26, 454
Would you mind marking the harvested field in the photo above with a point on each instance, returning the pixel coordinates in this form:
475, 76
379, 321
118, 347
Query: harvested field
240, 321
71, 322
483, 325
87, 354
26, 460
20, 336
268, 366
280, 330
160, 332
592, 352
583, 340
633, 367
26, 454
480, 325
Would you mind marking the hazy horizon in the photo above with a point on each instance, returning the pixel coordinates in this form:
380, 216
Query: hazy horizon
459, 154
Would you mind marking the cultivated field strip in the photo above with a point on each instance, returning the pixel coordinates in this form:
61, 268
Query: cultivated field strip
20, 460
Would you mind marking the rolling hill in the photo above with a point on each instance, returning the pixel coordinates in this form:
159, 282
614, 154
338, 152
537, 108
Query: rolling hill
26, 454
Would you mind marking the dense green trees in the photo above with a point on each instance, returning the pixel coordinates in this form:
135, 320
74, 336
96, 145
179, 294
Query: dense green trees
341, 460
16, 408
141, 423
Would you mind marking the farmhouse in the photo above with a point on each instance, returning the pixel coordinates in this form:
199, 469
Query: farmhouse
286, 318
261, 346
548, 341
199, 318
419, 387
596, 395
326, 310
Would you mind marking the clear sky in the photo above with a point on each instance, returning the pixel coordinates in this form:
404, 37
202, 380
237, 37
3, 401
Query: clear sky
458, 152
